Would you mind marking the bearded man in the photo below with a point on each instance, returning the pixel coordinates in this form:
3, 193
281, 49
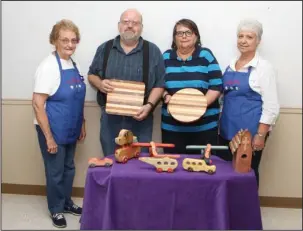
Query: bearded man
127, 57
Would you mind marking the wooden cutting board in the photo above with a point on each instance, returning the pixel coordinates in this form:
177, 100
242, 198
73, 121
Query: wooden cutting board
126, 98
187, 105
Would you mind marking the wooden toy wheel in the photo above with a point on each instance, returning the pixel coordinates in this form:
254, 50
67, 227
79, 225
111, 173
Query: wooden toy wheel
190, 169
210, 171
159, 170
92, 165
137, 154
170, 170
124, 160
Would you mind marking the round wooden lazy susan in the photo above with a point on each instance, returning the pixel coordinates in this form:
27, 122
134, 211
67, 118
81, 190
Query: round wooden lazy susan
187, 105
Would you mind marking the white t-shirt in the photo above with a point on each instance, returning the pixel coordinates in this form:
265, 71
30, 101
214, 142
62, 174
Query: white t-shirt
262, 80
47, 77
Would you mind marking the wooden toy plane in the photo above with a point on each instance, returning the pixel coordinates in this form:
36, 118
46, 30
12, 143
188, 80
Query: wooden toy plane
241, 148
130, 148
163, 164
206, 150
153, 149
198, 165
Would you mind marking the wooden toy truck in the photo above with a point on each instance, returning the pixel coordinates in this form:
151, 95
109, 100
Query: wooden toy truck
198, 165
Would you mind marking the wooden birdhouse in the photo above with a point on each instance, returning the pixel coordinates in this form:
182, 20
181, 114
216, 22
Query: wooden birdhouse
241, 149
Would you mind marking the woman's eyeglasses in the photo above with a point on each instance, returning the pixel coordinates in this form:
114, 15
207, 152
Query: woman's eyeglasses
67, 41
187, 33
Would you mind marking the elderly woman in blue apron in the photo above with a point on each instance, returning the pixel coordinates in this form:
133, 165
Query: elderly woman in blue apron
250, 98
58, 102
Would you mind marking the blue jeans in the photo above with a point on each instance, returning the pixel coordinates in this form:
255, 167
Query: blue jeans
112, 124
59, 172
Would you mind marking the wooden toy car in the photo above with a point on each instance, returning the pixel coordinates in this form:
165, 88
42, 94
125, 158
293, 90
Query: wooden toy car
130, 148
163, 164
197, 165
241, 148
97, 162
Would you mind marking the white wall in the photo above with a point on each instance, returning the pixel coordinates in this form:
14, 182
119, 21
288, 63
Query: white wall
26, 27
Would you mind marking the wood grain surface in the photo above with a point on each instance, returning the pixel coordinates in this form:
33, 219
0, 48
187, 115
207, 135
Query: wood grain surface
187, 105
126, 98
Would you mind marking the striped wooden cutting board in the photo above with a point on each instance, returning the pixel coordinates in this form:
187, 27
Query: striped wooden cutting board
126, 98
187, 105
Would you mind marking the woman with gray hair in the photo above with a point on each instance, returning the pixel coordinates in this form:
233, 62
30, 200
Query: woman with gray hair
250, 98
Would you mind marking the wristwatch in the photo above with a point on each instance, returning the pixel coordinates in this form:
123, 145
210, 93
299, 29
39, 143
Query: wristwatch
151, 104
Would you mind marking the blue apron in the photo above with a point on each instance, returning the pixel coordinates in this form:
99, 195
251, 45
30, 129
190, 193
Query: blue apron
242, 107
64, 109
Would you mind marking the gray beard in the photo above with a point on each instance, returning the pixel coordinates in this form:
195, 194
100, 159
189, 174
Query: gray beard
129, 36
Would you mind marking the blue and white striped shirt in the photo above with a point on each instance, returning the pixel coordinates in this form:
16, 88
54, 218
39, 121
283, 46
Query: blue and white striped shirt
200, 71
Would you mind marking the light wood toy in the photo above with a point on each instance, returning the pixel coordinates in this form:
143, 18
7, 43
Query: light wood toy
153, 152
97, 162
197, 165
126, 98
241, 149
187, 105
125, 139
164, 164
206, 151
130, 148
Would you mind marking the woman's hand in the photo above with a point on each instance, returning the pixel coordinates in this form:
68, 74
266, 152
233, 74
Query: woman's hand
258, 143
167, 98
83, 132
52, 147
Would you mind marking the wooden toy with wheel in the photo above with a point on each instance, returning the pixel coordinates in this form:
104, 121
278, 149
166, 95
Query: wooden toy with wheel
97, 162
206, 151
130, 148
162, 164
127, 150
198, 165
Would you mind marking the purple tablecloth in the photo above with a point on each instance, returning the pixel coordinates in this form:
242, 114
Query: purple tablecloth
135, 196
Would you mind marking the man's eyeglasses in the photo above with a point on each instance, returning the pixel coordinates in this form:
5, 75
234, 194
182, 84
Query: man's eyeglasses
67, 41
187, 33
127, 22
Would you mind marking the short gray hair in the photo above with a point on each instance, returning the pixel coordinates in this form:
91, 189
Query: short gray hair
251, 25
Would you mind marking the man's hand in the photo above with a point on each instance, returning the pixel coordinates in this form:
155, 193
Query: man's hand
105, 86
143, 112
